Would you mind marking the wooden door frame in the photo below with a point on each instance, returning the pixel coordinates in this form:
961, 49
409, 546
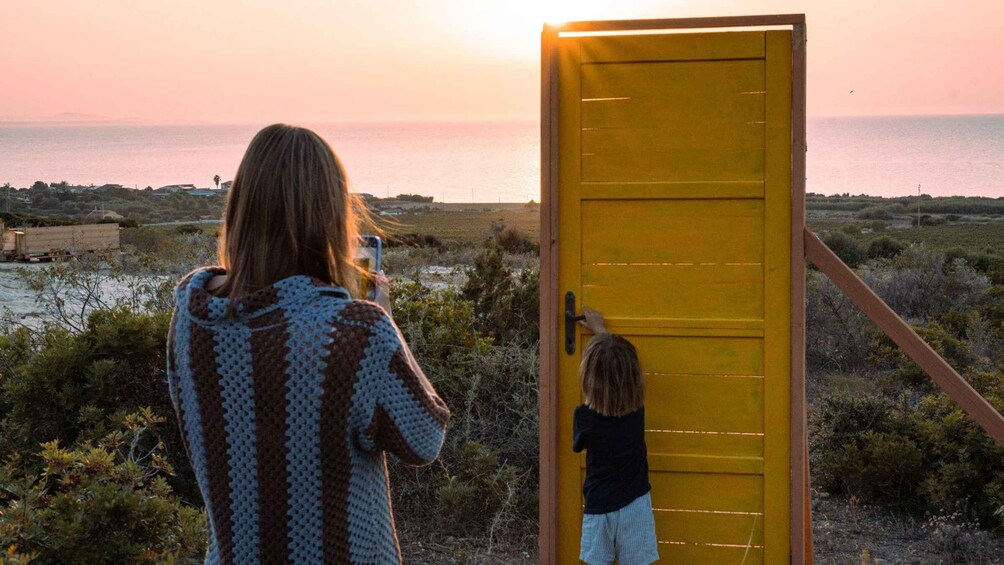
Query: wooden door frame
550, 304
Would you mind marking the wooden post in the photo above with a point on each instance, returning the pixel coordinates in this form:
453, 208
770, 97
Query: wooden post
900, 332
548, 400
801, 534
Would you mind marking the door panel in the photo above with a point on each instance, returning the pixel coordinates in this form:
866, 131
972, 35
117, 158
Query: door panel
674, 222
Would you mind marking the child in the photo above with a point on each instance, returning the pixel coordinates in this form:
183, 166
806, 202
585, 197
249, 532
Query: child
618, 521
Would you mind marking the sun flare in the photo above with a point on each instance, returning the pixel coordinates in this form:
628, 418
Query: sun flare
511, 27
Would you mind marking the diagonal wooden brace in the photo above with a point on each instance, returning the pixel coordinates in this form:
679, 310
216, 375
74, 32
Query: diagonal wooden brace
900, 332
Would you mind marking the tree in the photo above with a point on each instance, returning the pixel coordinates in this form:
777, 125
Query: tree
39, 185
216, 179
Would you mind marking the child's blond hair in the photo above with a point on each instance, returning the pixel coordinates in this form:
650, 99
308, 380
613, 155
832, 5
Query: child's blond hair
611, 376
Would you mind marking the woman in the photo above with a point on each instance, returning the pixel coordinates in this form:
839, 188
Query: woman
289, 391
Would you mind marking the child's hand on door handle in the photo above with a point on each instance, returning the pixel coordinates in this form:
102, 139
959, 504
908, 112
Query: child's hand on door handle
593, 321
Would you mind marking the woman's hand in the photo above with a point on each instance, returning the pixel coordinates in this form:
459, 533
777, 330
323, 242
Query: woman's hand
593, 321
381, 292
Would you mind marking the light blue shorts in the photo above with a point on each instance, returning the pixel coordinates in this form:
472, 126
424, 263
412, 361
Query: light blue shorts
627, 535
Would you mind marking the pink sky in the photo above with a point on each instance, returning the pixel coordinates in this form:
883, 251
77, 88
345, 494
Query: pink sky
188, 61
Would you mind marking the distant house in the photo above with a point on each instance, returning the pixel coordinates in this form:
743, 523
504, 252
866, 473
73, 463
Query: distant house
392, 212
174, 188
79, 187
225, 185
203, 192
95, 216
108, 187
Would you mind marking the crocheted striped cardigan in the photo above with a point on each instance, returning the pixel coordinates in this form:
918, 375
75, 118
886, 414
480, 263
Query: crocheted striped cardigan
286, 407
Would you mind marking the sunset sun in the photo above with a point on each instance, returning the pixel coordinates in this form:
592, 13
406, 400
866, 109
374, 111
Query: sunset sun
511, 27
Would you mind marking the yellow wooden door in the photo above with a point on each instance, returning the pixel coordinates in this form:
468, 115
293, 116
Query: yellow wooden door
674, 211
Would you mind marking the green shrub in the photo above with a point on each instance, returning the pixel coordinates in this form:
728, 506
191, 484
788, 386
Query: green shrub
849, 250
885, 248
506, 304
920, 453
874, 213
482, 495
485, 479
878, 467
69, 387
965, 471
188, 229
512, 240
904, 372
413, 240
106, 501
878, 226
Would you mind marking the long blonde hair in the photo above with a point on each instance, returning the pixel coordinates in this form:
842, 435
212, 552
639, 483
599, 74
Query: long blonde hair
289, 212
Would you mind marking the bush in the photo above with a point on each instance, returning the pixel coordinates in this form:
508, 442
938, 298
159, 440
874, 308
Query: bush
414, 240
849, 250
482, 495
106, 501
838, 334
188, 229
874, 213
982, 262
69, 388
514, 241
878, 226
506, 304
914, 454
904, 372
485, 480
920, 284
878, 467
964, 473
885, 248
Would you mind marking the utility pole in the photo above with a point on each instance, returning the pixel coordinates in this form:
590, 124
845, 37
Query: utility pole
918, 205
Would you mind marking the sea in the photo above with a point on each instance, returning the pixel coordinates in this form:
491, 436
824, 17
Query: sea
496, 161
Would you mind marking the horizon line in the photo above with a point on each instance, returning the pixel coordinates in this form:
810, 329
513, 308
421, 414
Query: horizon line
513, 120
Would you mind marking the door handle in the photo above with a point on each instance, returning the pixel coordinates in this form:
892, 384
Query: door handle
570, 321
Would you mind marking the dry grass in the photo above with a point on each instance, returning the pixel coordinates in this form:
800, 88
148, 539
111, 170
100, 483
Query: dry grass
465, 226
419, 546
845, 531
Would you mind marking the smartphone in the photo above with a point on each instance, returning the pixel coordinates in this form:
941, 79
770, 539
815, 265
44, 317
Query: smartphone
369, 257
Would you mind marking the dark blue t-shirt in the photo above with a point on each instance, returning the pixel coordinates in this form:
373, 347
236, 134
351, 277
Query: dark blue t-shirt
616, 458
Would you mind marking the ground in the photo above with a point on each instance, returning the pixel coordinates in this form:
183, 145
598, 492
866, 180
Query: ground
421, 547
846, 532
